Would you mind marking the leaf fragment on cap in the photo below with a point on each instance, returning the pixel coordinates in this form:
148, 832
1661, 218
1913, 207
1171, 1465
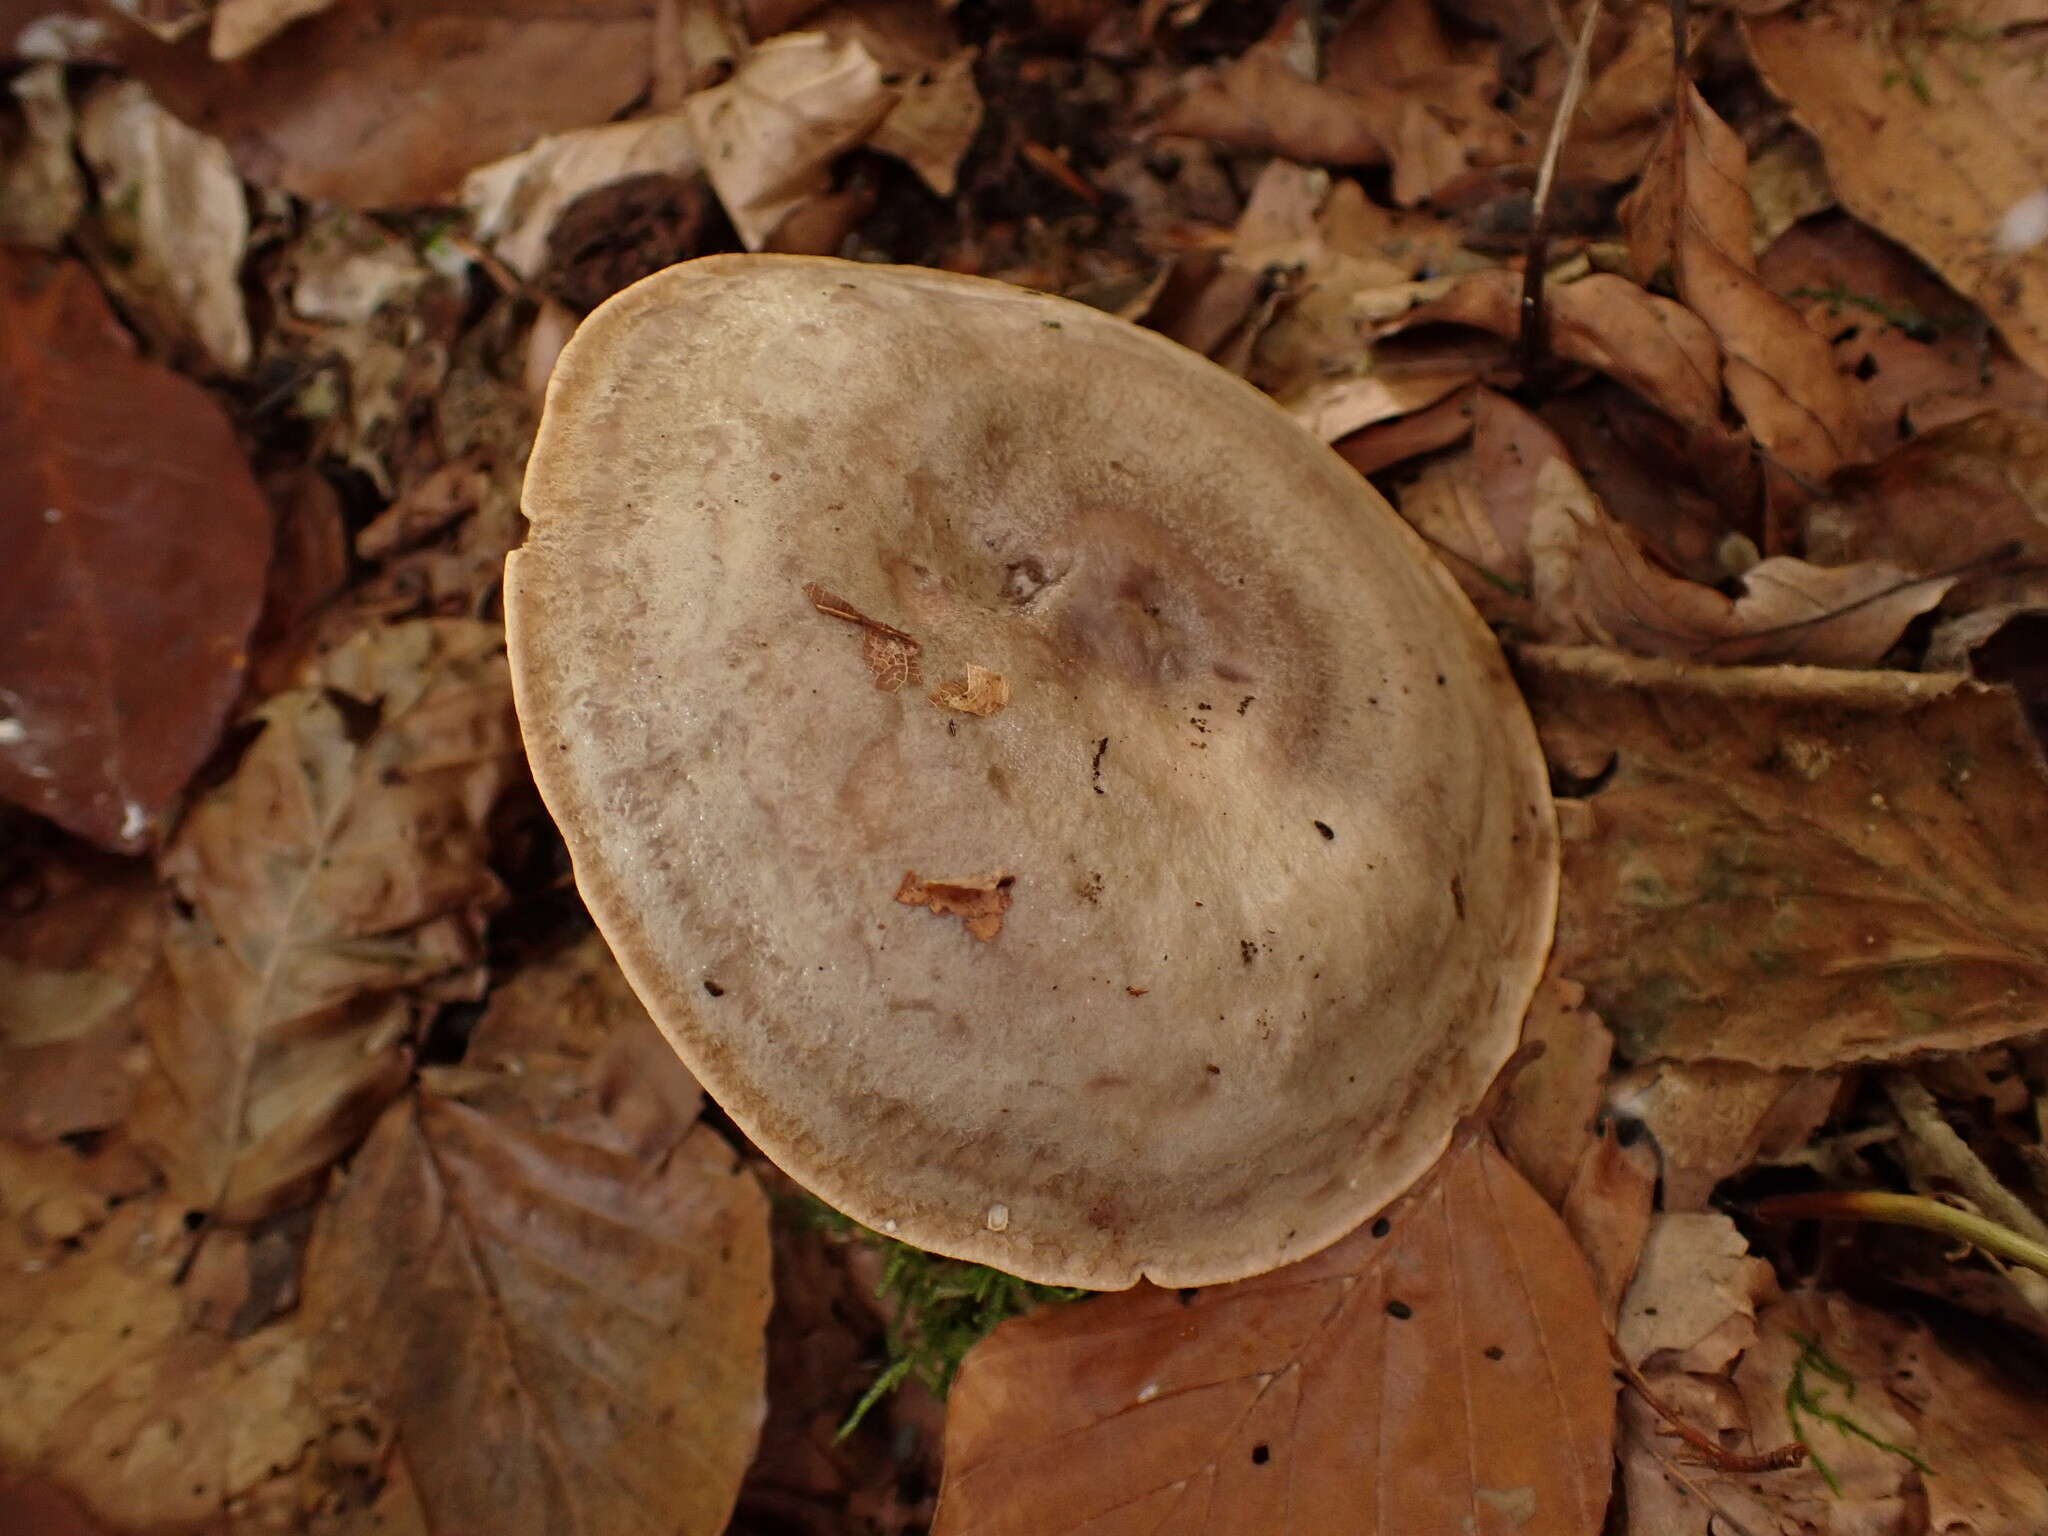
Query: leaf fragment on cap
979, 902
981, 692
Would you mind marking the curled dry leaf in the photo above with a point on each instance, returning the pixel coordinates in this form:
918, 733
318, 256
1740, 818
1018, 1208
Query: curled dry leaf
1712, 1119
394, 105
980, 692
517, 201
1261, 102
1692, 214
1693, 1304
1444, 1368
240, 27
1661, 350
544, 1291
1934, 132
770, 134
135, 539
1864, 852
1608, 1209
934, 123
979, 902
42, 192
342, 869
1593, 583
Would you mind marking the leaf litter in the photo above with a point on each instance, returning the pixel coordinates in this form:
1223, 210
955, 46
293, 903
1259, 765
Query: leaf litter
344, 1184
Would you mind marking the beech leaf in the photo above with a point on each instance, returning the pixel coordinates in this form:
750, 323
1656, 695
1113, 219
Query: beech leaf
135, 541
1692, 213
1442, 1369
547, 1288
1863, 852
343, 866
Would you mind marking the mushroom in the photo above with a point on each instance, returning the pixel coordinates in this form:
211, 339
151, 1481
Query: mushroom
1177, 954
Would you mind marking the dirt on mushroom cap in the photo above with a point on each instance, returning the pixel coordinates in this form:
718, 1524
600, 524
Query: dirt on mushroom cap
1211, 1036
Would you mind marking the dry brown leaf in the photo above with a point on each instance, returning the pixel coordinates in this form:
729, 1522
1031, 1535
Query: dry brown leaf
1441, 1369
1934, 132
42, 192
1922, 357
1608, 1209
1865, 853
1260, 102
343, 866
551, 1315
1692, 213
392, 105
1593, 583
516, 202
1546, 1118
980, 692
1387, 443
979, 902
135, 539
1659, 349
1712, 1119
770, 134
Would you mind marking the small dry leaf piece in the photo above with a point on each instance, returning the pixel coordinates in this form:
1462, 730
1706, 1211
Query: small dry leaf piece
980, 692
1443, 1370
1273, 771
980, 904
1865, 852
134, 538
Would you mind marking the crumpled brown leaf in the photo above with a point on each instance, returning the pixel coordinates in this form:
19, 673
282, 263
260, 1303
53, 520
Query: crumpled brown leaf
341, 871
1933, 132
42, 191
1260, 101
517, 201
1692, 213
769, 134
1545, 1123
1443, 1368
934, 122
135, 538
543, 1287
1866, 853
240, 27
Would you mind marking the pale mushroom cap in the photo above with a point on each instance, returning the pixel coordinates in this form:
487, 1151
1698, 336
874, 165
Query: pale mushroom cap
1264, 946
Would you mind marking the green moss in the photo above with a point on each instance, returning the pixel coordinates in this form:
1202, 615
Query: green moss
1815, 1378
937, 1309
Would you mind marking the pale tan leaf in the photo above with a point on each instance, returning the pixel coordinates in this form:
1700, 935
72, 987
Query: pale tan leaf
1934, 133
1692, 213
1711, 1119
343, 865
1441, 1369
42, 192
1693, 1304
980, 692
177, 221
1864, 853
240, 27
769, 134
933, 124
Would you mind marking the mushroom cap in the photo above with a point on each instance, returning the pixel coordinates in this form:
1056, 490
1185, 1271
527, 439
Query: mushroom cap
1179, 964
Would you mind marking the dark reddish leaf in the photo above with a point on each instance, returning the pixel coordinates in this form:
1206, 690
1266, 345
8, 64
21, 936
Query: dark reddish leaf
134, 541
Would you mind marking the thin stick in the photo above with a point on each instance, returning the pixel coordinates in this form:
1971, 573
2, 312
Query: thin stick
1705, 1446
1535, 341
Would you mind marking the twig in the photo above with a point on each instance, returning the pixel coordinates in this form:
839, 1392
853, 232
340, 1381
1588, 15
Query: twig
1535, 341
1705, 1446
1934, 1152
1909, 1211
